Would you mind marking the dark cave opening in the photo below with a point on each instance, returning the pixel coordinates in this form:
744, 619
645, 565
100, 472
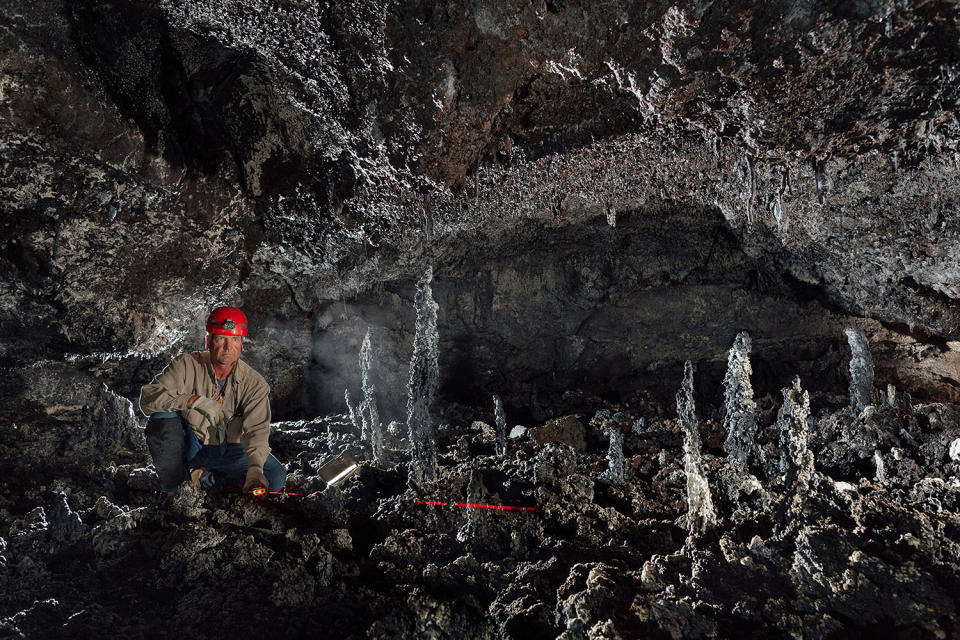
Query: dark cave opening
607, 312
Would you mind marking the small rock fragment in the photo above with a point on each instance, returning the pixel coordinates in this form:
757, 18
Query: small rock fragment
955, 450
518, 431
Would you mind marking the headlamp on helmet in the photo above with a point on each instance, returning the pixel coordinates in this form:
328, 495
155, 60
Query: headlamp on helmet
226, 321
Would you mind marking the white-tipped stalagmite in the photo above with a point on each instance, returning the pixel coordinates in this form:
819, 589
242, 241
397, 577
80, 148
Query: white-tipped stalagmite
354, 417
424, 375
881, 474
701, 516
615, 455
861, 370
740, 421
368, 408
501, 420
796, 460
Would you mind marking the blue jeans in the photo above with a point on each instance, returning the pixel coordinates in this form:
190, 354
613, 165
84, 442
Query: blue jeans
230, 467
176, 456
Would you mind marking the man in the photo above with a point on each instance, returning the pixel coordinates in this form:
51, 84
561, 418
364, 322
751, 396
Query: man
210, 415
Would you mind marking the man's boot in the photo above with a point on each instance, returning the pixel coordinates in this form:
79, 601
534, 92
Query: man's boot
165, 440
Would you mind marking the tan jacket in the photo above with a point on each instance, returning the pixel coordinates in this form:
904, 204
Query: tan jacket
246, 401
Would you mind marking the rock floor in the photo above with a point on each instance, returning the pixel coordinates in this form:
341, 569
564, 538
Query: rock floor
88, 548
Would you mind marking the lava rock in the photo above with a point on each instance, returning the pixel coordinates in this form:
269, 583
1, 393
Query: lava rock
568, 430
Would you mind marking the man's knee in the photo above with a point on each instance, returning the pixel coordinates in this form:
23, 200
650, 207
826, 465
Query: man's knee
165, 440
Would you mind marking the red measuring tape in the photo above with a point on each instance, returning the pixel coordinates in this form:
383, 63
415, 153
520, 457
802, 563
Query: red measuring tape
470, 505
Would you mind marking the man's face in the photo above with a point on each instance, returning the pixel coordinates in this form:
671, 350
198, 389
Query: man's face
225, 350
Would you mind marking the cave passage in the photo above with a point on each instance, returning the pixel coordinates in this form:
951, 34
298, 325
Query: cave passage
588, 321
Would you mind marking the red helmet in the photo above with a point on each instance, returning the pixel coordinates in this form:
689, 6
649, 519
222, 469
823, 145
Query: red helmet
227, 321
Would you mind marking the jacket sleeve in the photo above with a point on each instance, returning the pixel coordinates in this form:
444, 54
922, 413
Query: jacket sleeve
255, 436
168, 390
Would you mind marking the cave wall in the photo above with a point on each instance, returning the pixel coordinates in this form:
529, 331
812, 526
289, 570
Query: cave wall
306, 162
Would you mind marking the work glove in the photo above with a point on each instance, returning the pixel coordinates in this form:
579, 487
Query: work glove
255, 478
212, 410
201, 478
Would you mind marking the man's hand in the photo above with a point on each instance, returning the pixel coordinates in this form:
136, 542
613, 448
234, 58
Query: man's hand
209, 409
255, 478
196, 476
